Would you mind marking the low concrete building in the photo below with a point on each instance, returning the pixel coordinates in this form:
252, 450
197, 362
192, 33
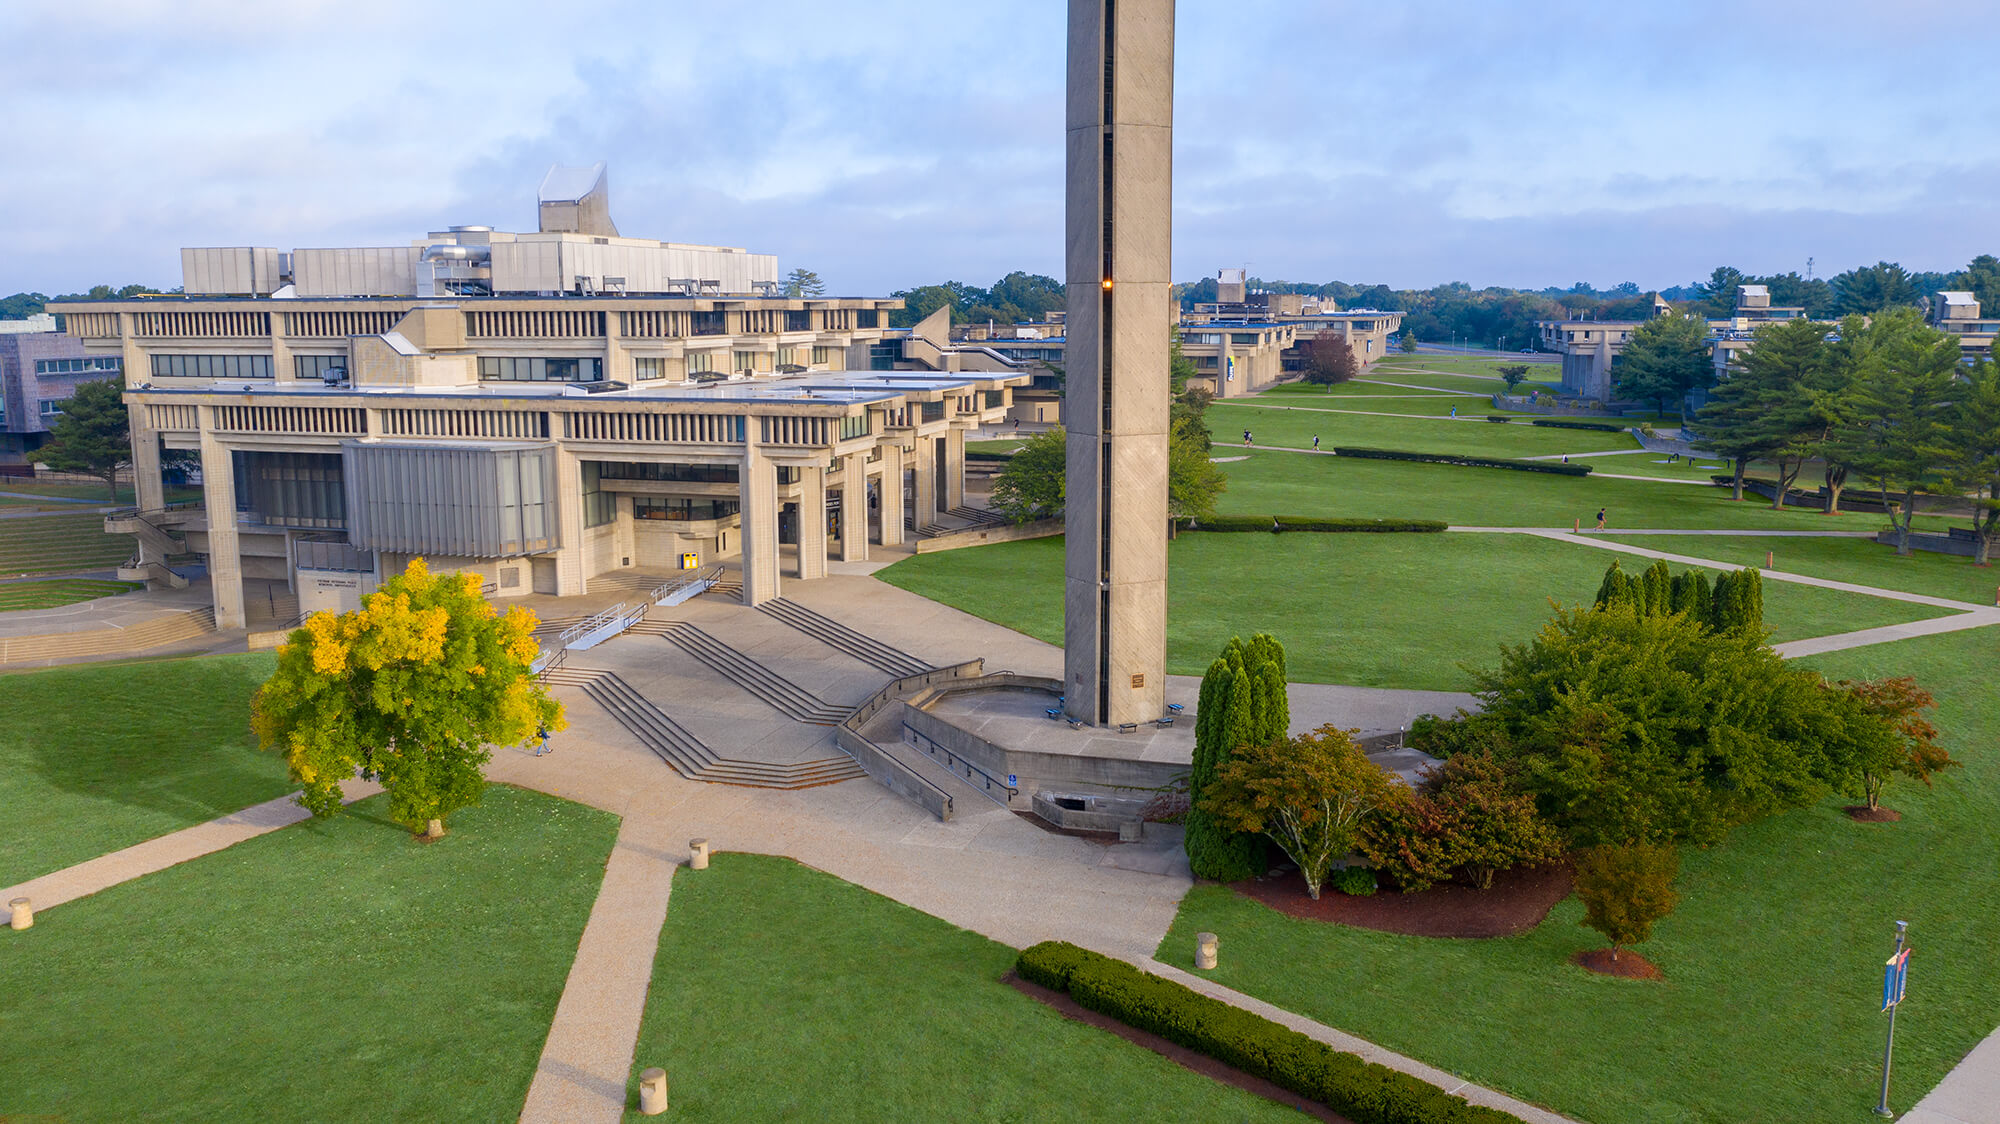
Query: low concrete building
538, 439
1368, 331
39, 369
1234, 358
1957, 313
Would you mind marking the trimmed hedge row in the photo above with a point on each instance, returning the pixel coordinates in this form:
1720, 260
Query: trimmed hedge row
981, 456
1361, 1091
1556, 467
1499, 417
1311, 523
1558, 423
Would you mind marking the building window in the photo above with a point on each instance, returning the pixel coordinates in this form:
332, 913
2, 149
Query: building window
503, 368
933, 411
1204, 362
599, 507
53, 409
649, 367
822, 357
1243, 339
798, 320
700, 362
995, 399
858, 425
79, 366
743, 361
867, 318
708, 323
676, 473
788, 357
313, 368
211, 366
679, 510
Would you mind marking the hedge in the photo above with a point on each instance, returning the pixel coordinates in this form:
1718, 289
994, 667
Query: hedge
1310, 523
1499, 417
1362, 1091
979, 456
1556, 467
1558, 423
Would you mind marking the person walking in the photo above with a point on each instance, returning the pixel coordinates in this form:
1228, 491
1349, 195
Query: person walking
1246, 439
1600, 519
542, 732
1315, 442
1454, 411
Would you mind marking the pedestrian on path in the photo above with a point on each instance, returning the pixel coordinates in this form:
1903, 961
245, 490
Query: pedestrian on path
1246, 439
1454, 411
1565, 458
1600, 519
1315, 442
542, 732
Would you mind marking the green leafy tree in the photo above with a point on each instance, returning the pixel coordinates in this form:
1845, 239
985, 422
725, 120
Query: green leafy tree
1982, 280
411, 688
1889, 736
1657, 585
1494, 824
92, 437
1873, 288
1513, 375
1616, 586
1329, 361
1193, 480
1307, 794
1031, 486
804, 283
1235, 709
1667, 357
1973, 469
1408, 343
1718, 295
1626, 890
1800, 395
1896, 435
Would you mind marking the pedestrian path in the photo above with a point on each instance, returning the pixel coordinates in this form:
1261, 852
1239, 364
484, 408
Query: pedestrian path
1969, 1094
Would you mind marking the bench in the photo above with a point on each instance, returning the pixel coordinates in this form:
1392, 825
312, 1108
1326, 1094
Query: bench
1076, 723
1164, 721
1054, 712
1128, 727
1175, 709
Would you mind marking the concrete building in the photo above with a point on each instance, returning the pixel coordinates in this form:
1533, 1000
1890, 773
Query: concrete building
1119, 230
1233, 358
536, 436
1588, 347
1957, 313
39, 369
1368, 331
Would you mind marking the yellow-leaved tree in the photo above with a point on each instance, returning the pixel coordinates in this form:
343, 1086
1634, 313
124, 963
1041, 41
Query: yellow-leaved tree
410, 689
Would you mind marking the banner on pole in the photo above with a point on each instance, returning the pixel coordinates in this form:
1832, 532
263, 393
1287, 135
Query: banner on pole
1895, 973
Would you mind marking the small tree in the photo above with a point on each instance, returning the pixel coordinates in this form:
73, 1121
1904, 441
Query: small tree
1408, 343
1193, 480
1895, 738
1626, 889
1235, 709
92, 436
1308, 794
1616, 586
1657, 588
1492, 821
804, 283
410, 688
1031, 486
1329, 360
1514, 374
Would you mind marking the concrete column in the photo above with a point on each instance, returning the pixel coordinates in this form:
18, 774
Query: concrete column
698, 854
890, 488
1119, 166
854, 508
20, 914
757, 484
617, 360
1204, 950
812, 523
225, 562
282, 367
570, 580
652, 1091
954, 468
151, 491
927, 491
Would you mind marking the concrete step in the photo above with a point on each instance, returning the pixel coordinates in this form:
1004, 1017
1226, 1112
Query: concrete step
156, 633
835, 635
787, 697
980, 517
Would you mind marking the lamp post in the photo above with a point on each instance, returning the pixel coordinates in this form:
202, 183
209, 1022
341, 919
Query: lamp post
1892, 998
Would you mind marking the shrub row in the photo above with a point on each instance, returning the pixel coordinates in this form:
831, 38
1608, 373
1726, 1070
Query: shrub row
1003, 458
1311, 523
1556, 467
1499, 417
1558, 423
1361, 1091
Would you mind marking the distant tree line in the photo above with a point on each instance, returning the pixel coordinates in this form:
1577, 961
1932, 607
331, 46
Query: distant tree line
20, 306
1015, 298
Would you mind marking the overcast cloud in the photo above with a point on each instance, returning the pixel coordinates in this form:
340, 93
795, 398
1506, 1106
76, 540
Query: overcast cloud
887, 144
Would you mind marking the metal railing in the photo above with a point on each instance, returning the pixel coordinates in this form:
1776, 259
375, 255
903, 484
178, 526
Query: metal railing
966, 769
680, 589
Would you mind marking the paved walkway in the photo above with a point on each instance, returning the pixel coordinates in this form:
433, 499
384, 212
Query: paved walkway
1969, 1094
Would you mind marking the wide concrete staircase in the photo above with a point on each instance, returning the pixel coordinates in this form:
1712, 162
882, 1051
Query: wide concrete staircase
835, 635
980, 517
787, 697
685, 752
173, 628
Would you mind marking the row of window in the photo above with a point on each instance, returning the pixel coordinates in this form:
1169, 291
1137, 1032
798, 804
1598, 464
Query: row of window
674, 473
315, 367
211, 366
79, 366
502, 368
681, 510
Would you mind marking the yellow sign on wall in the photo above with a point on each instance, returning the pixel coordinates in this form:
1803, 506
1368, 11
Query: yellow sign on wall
689, 562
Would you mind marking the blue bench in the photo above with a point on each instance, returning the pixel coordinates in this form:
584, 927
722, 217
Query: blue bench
1054, 712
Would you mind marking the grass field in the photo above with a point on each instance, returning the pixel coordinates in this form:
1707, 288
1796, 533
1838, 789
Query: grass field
95, 758
53, 543
18, 494
1862, 561
1295, 423
1773, 962
781, 993
328, 971
1359, 609
58, 592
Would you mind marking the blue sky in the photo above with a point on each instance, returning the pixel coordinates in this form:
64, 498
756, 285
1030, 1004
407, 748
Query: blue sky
886, 144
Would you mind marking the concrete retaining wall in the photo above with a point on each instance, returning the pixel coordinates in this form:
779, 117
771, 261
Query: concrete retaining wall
894, 775
981, 536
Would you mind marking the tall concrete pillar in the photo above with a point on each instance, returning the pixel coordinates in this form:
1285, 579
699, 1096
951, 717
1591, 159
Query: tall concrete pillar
570, 579
954, 468
854, 508
147, 486
812, 523
225, 559
926, 482
757, 485
1120, 220
890, 489
282, 367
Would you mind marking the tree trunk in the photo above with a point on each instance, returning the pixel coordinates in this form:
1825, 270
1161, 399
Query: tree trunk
1836, 479
1784, 484
1903, 521
1738, 482
111, 485
434, 829
1312, 889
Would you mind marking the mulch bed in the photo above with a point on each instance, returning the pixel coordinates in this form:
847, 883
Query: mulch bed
1519, 900
1173, 1052
1629, 964
1862, 813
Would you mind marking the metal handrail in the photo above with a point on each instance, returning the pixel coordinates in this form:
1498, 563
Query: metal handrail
934, 747
705, 577
140, 513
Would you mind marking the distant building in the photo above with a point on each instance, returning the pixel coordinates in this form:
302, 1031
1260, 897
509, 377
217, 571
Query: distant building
1957, 313
1366, 330
40, 369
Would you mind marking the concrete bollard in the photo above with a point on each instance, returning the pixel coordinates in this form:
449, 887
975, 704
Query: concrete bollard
23, 914
699, 847
1131, 831
653, 1092
1204, 950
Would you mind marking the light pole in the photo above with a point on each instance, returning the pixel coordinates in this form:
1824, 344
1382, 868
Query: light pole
1892, 998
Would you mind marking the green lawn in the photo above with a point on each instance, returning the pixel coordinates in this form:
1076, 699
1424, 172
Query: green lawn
1861, 561
95, 758
1773, 960
333, 970
1293, 422
1359, 609
1002, 445
61, 591
1282, 483
38, 493
51, 543
781, 993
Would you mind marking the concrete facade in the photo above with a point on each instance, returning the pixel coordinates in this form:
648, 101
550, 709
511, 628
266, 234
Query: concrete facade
1117, 262
39, 370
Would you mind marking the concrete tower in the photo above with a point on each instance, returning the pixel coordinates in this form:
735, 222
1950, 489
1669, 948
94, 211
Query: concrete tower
1120, 211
